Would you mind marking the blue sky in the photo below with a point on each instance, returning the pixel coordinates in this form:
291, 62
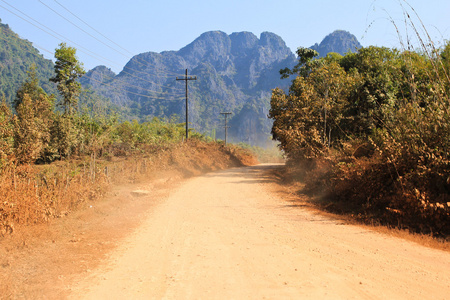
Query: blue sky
135, 26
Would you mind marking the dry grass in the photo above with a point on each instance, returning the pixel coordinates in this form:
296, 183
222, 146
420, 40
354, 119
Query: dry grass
31, 195
35, 194
92, 223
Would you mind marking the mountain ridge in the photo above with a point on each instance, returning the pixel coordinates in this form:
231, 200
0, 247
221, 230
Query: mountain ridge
339, 41
234, 71
229, 70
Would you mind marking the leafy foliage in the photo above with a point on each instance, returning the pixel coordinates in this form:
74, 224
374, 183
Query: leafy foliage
88, 131
16, 58
380, 104
67, 70
6, 134
32, 123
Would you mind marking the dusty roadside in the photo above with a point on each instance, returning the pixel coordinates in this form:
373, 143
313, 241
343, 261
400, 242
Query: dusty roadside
226, 234
41, 260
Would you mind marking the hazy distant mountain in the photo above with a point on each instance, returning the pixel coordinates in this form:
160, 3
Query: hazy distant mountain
235, 73
339, 41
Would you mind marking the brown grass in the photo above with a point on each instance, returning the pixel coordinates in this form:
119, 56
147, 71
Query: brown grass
82, 229
32, 194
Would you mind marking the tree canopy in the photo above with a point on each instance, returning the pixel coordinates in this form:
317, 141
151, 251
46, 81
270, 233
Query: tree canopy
67, 70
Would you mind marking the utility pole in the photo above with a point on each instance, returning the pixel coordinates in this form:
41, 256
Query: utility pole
186, 78
226, 127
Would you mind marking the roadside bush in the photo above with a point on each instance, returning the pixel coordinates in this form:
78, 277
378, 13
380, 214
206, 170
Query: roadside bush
381, 118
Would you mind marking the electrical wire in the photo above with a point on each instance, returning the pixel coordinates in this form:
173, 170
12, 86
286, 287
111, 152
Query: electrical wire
129, 52
79, 27
119, 88
82, 49
91, 28
33, 44
146, 96
54, 34
139, 87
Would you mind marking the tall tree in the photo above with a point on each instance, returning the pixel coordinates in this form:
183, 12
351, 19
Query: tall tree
34, 117
32, 128
67, 70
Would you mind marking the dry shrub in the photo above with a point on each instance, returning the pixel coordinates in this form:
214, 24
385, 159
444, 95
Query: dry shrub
241, 156
374, 191
31, 195
363, 185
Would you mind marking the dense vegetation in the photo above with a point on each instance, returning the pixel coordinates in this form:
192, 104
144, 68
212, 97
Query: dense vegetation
379, 119
16, 58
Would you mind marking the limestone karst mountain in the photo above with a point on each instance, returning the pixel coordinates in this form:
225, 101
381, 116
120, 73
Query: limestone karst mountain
235, 73
339, 41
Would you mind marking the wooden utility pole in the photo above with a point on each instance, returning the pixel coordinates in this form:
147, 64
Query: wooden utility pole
186, 78
226, 127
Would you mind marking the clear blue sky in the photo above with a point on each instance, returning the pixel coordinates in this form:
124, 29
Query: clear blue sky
137, 26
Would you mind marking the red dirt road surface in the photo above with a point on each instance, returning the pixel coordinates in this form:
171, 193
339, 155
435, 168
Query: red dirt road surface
227, 235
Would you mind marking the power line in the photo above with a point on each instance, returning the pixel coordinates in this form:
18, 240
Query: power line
86, 51
186, 79
79, 27
33, 44
116, 87
126, 91
60, 38
139, 87
146, 79
146, 63
92, 27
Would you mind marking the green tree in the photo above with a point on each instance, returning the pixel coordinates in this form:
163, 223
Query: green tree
33, 121
64, 134
374, 99
305, 58
296, 120
30, 87
331, 89
68, 69
32, 128
308, 119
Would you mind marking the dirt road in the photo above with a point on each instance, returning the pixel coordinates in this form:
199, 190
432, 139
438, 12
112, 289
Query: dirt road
225, 235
